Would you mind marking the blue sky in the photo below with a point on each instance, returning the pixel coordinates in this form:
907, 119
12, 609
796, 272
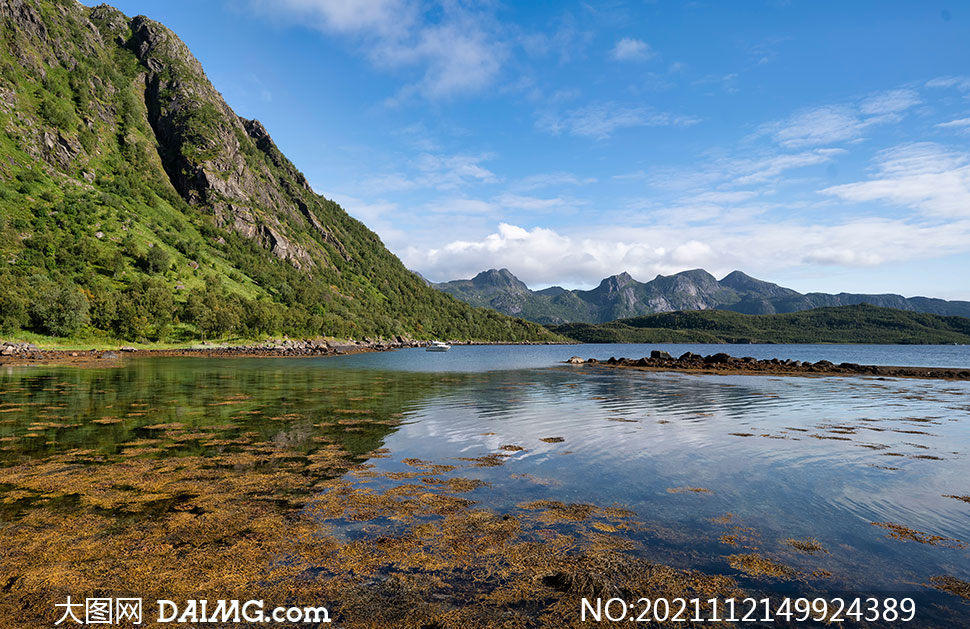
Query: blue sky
821, 145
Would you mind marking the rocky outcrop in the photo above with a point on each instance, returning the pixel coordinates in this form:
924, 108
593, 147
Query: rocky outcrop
212, 156
727, 364
18, 350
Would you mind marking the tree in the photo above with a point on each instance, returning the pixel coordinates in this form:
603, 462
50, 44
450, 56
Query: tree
13, 312
157, 260
61, 310
263, 317
103, 308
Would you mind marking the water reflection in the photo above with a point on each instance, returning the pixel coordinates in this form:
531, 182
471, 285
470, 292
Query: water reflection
787, 458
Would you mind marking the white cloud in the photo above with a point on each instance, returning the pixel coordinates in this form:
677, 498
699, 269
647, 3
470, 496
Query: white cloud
463, 206
535, 255
599, 121
451, 171
458, 48
822, 125
382, 16
435, 171
732, 172
530, 204
501, 205
890, 102
541, 256
691, 252
720, 196
459, 58
919, 158
829, 124
961, 83
924, 176
547, 180
629, 49
766, 169
962, 125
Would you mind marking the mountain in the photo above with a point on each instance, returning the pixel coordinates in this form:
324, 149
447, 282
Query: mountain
134, 203
841, 324
621, 296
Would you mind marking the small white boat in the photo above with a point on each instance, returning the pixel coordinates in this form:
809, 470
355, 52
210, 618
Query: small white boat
437, 346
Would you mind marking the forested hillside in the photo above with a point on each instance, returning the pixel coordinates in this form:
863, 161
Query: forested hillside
135, 204
842, 324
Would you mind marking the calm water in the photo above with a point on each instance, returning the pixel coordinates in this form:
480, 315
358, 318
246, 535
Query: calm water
490, 358
800, 458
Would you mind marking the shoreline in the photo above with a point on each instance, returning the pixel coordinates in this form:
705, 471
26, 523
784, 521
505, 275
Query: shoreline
725, 364
18, 354
26, 354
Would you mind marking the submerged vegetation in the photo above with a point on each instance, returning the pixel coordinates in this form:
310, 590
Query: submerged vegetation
252, 490
952, 585
758, 566
179, 479
810, 545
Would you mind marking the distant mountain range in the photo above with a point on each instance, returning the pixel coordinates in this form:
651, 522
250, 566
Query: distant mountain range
841, 324
621, 296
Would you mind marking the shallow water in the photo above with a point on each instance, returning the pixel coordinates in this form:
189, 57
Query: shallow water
787, 457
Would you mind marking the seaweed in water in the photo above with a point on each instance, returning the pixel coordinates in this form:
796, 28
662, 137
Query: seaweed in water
952, 585
898, 531
810, 545
755, 565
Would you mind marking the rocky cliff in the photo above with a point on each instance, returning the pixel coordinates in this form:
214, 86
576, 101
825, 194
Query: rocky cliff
133, 196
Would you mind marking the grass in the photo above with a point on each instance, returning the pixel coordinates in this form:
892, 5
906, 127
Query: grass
102, 342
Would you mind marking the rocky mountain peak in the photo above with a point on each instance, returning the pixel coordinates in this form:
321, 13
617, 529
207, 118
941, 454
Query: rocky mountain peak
742, 282
737, 278
113, 23
499, 278
158, 47
621, 296
699, 276
616, 282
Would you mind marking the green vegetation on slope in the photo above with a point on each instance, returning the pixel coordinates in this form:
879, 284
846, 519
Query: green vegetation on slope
135, 204
843, 324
